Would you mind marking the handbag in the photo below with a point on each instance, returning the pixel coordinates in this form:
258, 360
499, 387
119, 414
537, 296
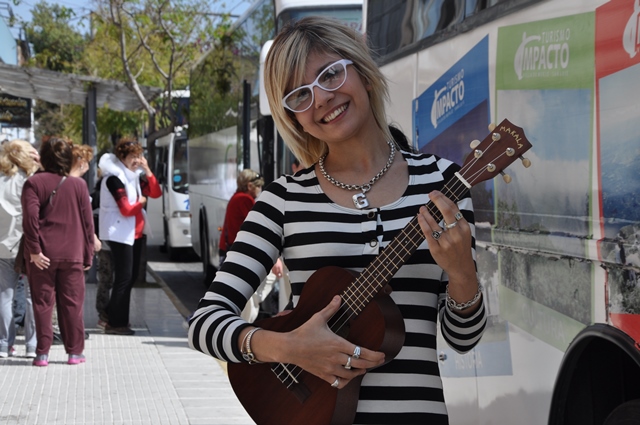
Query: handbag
20, 265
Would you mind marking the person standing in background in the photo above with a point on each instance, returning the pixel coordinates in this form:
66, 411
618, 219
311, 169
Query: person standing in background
18, 161
104, 265
82, 156
58, 229
126, 184
249, 187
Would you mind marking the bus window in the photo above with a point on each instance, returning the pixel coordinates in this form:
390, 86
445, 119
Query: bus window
180, 178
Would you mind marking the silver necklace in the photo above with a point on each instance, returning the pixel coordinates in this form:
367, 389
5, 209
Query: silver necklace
359, 199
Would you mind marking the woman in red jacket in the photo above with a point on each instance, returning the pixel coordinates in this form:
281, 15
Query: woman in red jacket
249, 187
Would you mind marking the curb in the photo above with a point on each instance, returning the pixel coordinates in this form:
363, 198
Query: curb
182, 309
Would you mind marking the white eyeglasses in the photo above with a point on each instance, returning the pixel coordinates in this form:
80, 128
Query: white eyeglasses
330, 79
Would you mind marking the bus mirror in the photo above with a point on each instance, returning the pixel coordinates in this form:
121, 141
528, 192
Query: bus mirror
264, 103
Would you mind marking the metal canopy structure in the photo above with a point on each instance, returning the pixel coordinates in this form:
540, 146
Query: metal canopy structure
57, 87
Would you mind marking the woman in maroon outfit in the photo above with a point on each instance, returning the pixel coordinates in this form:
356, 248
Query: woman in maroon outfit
58, 229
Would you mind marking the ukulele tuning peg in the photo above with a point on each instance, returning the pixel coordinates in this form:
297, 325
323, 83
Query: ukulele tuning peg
506, 177
525, 161
474, 144
492, 126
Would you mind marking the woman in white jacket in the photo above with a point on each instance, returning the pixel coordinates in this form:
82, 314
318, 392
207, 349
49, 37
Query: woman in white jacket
18, 160
126, 184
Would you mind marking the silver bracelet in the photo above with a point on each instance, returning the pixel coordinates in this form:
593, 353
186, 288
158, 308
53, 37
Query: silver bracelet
247, 354
454, 305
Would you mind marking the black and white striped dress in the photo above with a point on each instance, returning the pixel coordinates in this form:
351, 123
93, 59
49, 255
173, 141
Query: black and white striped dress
294, 217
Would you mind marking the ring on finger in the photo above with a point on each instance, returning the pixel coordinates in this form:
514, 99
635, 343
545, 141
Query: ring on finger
458, 216
449, 226
356, 352
436, 235
336, 383
348, 365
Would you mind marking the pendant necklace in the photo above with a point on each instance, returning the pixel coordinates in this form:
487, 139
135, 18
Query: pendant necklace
359, 199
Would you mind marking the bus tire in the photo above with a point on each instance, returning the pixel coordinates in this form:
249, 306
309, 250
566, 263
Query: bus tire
626, 414
174, 253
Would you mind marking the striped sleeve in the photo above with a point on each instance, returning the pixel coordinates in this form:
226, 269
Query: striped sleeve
216, 324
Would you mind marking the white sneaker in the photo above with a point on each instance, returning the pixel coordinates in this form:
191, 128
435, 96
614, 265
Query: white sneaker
31, 353
9, 353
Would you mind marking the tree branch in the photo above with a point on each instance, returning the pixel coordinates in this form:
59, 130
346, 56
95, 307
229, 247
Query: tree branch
117, 19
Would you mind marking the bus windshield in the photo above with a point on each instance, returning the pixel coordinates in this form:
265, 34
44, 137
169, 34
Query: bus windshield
180, 180
351, 15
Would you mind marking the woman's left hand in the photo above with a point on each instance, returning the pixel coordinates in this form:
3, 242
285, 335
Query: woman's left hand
40, 261
450, 247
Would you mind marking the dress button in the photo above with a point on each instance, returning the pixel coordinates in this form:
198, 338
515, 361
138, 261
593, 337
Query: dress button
371, 214
373, 242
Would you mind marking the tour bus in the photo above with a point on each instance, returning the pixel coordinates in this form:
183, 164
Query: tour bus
172, 171
229, 129
558, 248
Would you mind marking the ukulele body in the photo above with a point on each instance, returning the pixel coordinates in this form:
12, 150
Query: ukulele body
273, 398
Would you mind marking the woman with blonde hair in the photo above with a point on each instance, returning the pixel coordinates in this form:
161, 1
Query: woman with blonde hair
82, 156
18, 161
360, 193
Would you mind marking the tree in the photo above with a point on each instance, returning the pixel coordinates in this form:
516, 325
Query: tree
57, 47
156, 42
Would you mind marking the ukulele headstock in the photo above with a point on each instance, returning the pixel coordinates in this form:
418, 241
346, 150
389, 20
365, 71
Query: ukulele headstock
494, 153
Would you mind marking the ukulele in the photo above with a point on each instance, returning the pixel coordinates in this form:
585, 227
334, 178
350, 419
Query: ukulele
281, 394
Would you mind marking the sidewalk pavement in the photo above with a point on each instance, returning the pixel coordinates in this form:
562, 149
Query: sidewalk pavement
152, 377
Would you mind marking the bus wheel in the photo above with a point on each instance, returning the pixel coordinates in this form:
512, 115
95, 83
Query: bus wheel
174, 253
625, 414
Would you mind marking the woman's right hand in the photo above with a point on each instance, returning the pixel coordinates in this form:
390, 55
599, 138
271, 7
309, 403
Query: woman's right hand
142, 200
40, 261
316, 349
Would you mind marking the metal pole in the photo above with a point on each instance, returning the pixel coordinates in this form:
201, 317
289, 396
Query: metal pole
246, 125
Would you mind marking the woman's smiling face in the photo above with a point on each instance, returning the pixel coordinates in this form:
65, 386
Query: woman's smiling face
334, 115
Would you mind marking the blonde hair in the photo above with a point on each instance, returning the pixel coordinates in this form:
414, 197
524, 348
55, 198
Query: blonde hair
16, 155
246, 177
81, 152
285, 67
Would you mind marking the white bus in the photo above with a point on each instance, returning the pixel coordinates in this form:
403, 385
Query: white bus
558, 247
172, 171
228, 129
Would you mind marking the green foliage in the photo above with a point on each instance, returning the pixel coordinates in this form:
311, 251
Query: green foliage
141, 42
57, 45
153, 42
217, 81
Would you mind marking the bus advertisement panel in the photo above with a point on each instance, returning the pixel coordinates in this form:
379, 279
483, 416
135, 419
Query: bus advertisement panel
559, 246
